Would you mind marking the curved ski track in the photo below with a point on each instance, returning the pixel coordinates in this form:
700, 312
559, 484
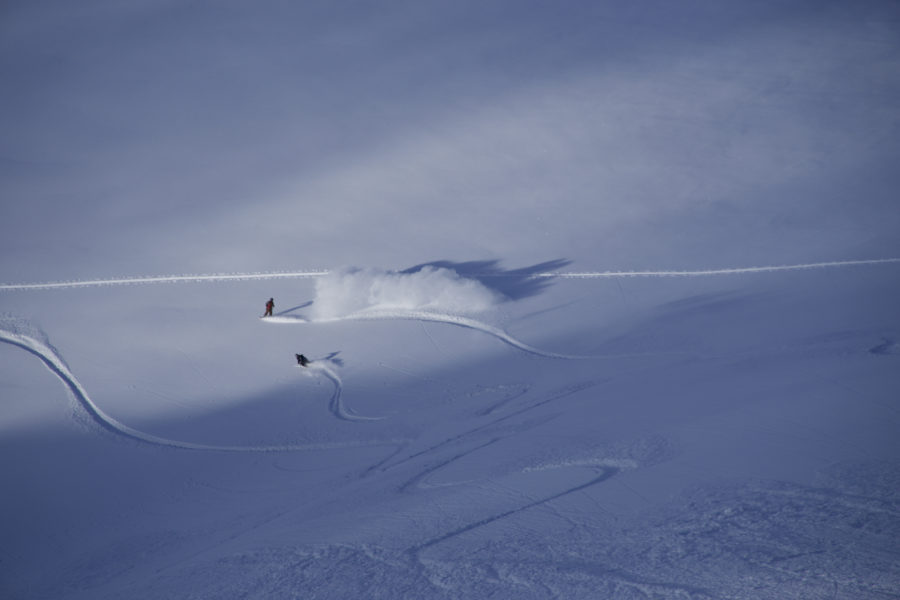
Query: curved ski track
58, 367
420, 315
459, 321
336, 404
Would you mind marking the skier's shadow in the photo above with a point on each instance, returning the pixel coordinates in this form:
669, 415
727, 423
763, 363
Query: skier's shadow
333, 359
515, 284
290, 310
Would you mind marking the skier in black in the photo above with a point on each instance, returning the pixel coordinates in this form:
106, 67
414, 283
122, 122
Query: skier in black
302, 360
269, 306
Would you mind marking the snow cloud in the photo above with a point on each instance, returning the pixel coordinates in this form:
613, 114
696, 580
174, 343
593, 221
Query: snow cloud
354, 290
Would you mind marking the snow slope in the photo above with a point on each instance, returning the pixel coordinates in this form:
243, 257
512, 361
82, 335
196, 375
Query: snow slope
601, 300
693, 454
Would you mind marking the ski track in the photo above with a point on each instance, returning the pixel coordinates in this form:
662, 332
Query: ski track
58, 367
712, 272
424, 316
459, 321
416, 481
259, 276
214, 277
336, 404
556, 395
606, 473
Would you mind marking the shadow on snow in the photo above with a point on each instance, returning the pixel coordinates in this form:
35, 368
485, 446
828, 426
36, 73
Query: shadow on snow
515, 284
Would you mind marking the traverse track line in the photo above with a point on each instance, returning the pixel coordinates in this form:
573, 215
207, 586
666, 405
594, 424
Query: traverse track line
709, 272
214, 277
220, 277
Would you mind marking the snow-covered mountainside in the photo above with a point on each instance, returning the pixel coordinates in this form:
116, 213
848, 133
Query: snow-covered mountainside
720, 431
601, 301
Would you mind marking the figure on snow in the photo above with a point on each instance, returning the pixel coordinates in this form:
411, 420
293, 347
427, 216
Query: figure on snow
269, 306
302, 360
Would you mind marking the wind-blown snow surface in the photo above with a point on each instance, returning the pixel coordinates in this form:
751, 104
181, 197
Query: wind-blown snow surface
620, 318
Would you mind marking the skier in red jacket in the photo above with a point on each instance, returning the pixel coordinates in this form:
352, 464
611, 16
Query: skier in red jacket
269, 306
